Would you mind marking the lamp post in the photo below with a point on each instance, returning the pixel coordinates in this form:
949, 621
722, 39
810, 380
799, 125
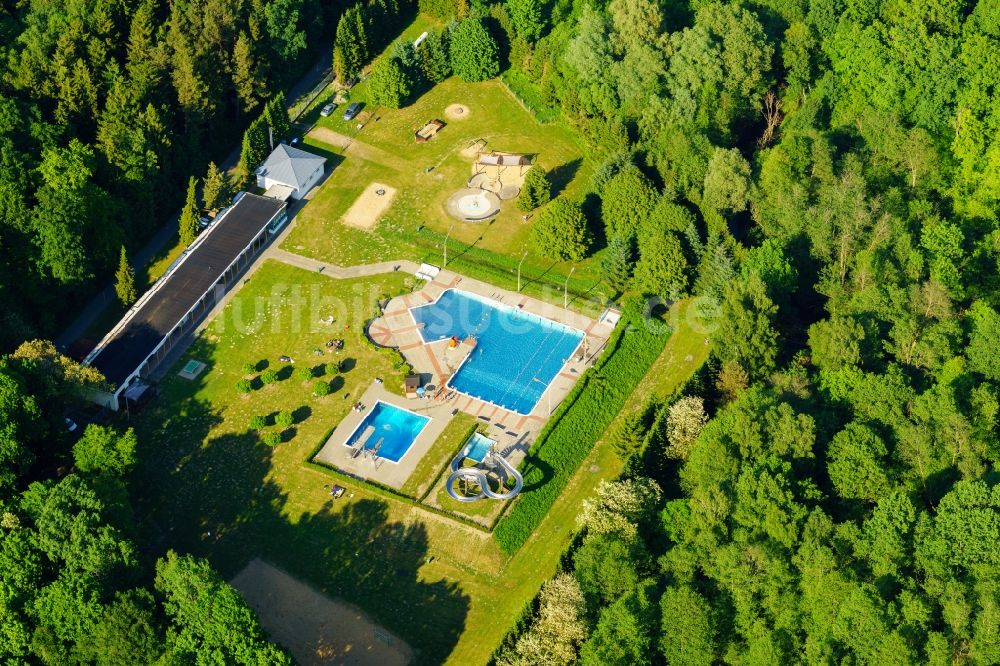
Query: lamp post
519, 270
546, 391
566, 288
445, 264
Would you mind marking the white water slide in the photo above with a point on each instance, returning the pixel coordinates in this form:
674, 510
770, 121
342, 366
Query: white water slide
478, 476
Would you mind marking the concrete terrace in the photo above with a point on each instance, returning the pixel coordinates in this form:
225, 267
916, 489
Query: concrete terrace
337, 454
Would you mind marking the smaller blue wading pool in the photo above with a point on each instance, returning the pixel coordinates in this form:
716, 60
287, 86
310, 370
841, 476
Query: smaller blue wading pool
477, 447
392, 429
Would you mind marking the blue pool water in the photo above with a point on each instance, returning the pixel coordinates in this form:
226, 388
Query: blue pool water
478, 446
395, 427
517, 354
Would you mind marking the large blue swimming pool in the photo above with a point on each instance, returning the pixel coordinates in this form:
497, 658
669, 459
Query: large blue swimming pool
392, 429
516, 356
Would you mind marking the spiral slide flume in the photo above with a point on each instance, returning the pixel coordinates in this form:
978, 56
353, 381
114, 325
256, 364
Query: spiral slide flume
478, 476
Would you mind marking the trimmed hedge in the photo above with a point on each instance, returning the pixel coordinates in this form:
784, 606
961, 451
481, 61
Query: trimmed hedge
571, 433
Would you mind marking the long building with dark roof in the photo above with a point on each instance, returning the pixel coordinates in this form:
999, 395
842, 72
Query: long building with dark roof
189, 289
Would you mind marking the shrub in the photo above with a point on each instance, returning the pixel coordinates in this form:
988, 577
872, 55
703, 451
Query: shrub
474, 53
332, 368
244, 386
305, 374
389, 83
269, 376
583, 417
284, 419
272, 439
257, 422
249, 368
321, 388
561, 232
535, 191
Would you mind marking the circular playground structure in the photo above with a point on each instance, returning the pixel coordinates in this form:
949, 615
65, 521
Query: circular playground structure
473, 205
475, 481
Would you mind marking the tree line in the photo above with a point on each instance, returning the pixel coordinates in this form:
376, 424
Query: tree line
825, 490
75, 584
105, 110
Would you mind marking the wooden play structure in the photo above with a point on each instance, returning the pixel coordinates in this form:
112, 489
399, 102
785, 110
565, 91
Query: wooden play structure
425, 133
496, 164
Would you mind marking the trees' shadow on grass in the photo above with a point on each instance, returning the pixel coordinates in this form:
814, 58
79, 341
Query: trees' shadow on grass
302, 413
536, 473
348, 364
285, 372
211, 496
336, 384
563, 175
354, 552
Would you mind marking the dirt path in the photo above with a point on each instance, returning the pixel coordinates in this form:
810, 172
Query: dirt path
313, 627
356, 148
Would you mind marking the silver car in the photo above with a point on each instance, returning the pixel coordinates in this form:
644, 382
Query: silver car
328, 109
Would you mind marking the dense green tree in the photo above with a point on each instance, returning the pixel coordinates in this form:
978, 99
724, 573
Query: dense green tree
528, 17
623, 634
215, 192
210, 616
662, 268
474, 52
561, 232
389, 84
125, 281
598, 566
187, 223
626, 201
103, 449
435, 61
745, 333
128, 632
857, 463
616, 264
535, 191
688, 630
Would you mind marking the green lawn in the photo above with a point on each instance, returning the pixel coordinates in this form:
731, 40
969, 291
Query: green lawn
416, 226
445, 448
211, 488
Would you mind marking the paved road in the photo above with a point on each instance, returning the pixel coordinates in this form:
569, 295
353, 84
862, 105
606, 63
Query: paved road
165, 234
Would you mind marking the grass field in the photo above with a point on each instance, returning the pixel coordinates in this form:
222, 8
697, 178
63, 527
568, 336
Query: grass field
211, 488
427, 174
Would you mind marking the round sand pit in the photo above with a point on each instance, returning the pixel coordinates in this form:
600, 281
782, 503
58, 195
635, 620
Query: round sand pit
473, 205
456, 112
508, 192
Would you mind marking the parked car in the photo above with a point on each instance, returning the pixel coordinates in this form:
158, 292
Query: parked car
328, 109
204, 221
71, 425
352, 110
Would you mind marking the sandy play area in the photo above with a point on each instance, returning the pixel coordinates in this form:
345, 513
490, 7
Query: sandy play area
370, 206
313, 627
456, 112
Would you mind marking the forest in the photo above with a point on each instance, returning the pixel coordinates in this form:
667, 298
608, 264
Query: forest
821, 176
106, 110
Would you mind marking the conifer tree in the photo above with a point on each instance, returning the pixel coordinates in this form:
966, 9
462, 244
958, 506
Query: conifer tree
188, 222
125, 280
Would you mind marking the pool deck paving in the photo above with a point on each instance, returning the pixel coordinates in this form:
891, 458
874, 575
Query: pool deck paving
437, 361
337, 453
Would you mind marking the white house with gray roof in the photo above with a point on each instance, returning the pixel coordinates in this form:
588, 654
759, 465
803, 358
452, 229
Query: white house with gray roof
289, 172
